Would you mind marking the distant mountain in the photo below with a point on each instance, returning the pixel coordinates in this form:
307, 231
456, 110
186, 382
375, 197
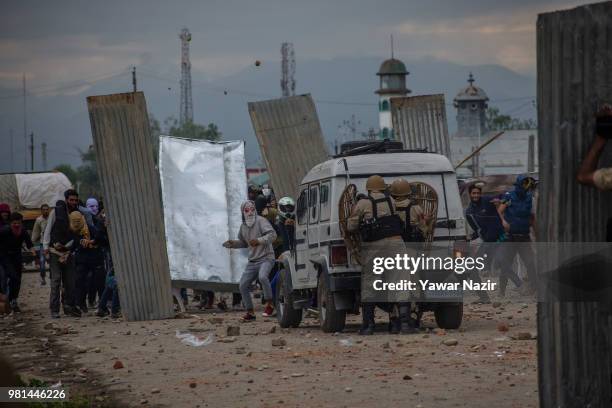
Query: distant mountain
341, 87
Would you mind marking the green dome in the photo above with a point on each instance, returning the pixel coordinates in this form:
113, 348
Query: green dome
392, 67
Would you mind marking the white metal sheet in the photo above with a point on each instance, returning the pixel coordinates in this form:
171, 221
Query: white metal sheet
203, 184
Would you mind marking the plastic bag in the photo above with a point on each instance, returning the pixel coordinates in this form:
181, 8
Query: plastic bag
193, 340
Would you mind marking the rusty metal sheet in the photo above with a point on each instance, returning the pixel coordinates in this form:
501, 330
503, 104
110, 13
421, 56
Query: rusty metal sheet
290, 139
574, 56
120, 129
420, 123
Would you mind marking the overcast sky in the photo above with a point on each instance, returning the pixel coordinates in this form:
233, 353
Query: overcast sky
58, 41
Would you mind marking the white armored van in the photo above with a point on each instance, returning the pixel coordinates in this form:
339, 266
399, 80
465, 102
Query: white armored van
320, 270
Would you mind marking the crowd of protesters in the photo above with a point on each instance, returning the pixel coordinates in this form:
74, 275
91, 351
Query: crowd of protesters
72, 239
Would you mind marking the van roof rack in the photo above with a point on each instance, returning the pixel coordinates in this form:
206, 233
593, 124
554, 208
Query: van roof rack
357, 147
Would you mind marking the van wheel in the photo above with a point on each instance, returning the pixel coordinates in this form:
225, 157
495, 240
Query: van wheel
286, 315
449, 315
331, 320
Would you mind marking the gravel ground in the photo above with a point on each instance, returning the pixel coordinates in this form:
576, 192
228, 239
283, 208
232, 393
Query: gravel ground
490, 361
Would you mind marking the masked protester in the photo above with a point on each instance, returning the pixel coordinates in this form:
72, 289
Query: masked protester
516, 213
92, 205
59, 241
91, 259
257, 234
5, 212
12, 239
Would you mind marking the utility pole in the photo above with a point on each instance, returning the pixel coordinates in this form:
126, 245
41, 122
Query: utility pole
32, 151
287, 69
12, 150
134, 78
186, 102
43, 150
25, 132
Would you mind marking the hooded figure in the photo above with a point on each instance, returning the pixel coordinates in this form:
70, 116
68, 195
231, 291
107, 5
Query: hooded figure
5, 212
77, 222
256, 234
249, 213
519, 204
92, 205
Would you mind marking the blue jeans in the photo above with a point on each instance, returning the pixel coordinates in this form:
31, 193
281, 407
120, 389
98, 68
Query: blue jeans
111, 292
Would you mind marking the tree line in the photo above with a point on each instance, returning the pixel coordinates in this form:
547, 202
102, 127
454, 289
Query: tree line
85, 176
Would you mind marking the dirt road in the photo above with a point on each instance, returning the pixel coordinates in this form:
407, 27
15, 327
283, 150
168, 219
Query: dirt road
487, 367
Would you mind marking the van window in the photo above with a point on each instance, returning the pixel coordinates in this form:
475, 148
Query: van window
313, 204
325, 201
302, 207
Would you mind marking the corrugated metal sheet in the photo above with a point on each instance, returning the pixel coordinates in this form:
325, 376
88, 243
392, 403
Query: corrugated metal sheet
120, 129
290, 139
574, 49
420, 122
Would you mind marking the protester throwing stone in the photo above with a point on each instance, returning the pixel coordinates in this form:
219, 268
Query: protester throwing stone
257, 234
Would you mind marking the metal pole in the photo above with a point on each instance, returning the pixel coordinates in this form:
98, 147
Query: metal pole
479, 149
531, 154
134, 79
43, 148
32, 151
12, 151
25, 132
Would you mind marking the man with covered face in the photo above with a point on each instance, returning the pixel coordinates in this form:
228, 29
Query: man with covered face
59, 242
12, 238
257, 234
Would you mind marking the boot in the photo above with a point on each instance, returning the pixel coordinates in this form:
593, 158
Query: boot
367, 325
408, 325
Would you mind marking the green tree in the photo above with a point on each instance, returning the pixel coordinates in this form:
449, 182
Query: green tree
497, 121
89, 182
191, 130
68, 171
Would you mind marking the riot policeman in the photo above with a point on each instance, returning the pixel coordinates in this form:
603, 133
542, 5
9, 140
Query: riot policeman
374, 217
413, 227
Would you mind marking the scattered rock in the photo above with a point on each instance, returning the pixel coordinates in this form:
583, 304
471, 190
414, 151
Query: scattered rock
450, 342
227, 340
216, 320
496, 304
51, 326
96, 350
386, 345
192, 384
279, 342
297, 375
272, 329
523, 336
502, 327
233, 331
118, 364
406, 377
348, 389
155, 391
81, 349
144, 401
